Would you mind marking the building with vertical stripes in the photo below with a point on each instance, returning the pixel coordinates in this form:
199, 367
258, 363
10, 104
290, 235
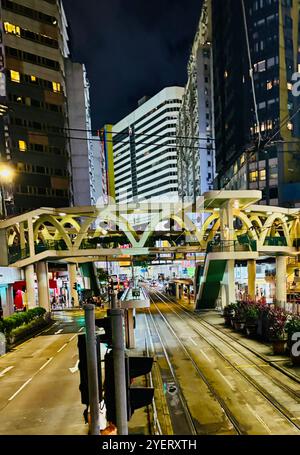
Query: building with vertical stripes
144, 149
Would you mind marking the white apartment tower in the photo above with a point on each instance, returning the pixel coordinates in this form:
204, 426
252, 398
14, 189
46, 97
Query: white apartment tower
144, 148
195, 129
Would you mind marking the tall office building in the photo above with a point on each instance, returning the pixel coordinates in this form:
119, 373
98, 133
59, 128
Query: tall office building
257, 130
85, 149
34, 45
195, 129
144, 149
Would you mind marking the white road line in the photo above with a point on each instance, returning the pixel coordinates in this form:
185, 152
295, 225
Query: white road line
193, 341
5, 371
80, 330
45, 364
19, 390
72, 338
259, 418
226, 380
59, 331
206, 356
75, 368
62, 347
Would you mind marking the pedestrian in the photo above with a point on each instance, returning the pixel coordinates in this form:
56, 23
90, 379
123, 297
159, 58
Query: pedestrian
72, 302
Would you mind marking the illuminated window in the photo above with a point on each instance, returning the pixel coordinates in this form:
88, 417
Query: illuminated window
11, 28
22, 146
269, 85
289, 86
33, 78
56, 87
262, 174
15, 76
253, 176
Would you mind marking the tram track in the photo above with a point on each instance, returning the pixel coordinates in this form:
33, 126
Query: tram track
292, 394
233, 421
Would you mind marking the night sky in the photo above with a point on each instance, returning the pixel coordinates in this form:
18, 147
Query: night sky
130, 48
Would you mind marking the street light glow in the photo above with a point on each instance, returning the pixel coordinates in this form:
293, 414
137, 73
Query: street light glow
6, 173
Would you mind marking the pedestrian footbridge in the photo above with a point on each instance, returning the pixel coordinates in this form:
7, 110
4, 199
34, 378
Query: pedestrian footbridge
224, 224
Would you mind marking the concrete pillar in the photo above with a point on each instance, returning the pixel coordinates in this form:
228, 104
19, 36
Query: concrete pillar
280, 293
177, 291
30, 292
251, 265
43, 285
230, 282
72, 280
30, 237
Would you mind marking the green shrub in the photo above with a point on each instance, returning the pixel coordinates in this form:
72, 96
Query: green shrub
21, 318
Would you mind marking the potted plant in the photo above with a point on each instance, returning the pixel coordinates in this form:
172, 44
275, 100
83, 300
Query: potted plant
251, 316
277, 320
292, 329
239, 319
229, 312
263, 321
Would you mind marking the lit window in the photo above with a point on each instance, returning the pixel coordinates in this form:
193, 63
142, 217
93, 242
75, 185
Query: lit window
33, 78
262, 174
22, 146
11, 28
269, 85
56, 87
289, 86
253, 176
15, 76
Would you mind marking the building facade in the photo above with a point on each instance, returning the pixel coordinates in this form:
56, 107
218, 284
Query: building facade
33, 95
85, 149
144, 149
256, 115
195, 128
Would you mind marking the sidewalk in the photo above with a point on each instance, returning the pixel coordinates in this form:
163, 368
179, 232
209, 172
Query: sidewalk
260, 348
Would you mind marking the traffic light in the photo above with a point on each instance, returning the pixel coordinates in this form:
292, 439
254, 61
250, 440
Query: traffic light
82, 366
136, 397
105, 323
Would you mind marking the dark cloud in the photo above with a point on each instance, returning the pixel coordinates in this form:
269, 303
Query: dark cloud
131, 48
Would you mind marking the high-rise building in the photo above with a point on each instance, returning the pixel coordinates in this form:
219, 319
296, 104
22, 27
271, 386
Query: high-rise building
256, 50
84, 147
195, 129
33, 128
144, 149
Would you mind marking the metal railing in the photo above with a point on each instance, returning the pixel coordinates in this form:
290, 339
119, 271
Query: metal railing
230, 245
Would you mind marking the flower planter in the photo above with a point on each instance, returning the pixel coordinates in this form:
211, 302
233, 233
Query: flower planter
279, 346
239, 325
251, 329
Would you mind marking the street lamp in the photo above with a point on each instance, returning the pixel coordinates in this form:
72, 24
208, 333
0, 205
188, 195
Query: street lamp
6, 176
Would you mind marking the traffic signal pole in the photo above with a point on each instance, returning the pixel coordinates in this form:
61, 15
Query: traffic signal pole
91, 353
118, 348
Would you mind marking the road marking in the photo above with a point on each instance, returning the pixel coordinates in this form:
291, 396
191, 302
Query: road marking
62, 347
72, 338
19, 390
5, 371
206, 356
59, 331
193, 341
80, 329
226, 380
259, 418
45, 364
75, 368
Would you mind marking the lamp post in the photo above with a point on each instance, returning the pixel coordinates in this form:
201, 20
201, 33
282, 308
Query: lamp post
6, 176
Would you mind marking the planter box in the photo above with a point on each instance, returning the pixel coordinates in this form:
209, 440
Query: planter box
251, 329
279, 346
295, 360
239, 325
